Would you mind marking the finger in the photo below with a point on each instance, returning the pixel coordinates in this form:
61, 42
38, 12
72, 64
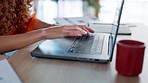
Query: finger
83, 27
83, 31
74, 33
87, 28
75, 28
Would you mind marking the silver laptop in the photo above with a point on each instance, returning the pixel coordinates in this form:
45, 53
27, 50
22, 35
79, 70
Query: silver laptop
95, 47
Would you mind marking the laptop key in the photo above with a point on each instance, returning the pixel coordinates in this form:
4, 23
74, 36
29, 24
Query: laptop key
86, 44
100, 45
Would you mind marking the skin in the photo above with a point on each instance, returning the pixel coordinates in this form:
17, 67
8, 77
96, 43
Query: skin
13, 42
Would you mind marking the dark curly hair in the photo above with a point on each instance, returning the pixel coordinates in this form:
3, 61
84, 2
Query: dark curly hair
14, 14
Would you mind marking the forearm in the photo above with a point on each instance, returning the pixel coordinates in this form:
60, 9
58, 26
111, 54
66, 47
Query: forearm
12, 42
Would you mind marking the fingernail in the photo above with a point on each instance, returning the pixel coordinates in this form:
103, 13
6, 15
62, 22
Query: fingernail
85, 32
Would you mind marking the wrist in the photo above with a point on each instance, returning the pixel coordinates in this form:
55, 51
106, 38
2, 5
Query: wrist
45, 33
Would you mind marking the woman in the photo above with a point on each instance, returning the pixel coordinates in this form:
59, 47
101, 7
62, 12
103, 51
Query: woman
19, 29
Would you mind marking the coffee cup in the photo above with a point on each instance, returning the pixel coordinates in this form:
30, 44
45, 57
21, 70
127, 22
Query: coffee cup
129, 57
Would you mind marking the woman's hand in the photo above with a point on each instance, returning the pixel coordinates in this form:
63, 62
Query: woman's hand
63, 31
21, 40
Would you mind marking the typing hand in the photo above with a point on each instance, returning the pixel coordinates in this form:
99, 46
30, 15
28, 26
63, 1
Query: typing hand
62, 31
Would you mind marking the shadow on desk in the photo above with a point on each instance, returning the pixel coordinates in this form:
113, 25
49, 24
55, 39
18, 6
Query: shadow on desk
123, 79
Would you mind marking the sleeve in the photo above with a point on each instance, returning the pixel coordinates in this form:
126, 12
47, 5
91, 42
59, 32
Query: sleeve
32, 23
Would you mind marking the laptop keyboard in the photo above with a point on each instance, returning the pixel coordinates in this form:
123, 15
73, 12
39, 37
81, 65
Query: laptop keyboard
87, 44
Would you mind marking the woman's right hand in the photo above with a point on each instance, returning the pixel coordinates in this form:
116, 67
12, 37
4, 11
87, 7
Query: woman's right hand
63, 31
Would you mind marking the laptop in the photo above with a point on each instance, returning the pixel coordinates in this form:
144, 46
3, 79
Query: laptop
93, 47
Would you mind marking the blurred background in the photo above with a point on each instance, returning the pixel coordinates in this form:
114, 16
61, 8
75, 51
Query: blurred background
135, 11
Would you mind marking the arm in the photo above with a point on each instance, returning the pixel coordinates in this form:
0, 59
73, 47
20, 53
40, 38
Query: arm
12, 42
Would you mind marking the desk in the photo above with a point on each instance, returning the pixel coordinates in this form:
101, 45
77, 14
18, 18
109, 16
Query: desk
39, 70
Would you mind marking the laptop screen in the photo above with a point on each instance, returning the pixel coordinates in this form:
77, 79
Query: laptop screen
115, 27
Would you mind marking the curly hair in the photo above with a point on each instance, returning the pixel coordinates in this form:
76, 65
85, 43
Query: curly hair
14, 14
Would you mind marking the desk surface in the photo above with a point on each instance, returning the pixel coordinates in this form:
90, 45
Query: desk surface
39, 70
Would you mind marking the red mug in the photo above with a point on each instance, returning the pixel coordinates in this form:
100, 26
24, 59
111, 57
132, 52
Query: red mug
129, 57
